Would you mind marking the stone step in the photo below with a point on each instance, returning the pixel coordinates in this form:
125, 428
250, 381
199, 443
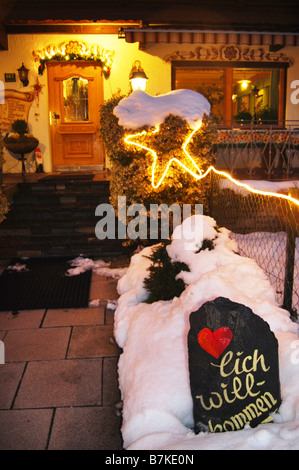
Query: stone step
30, 214
61, 227
56, 217
51, 187
62, 199
46, 245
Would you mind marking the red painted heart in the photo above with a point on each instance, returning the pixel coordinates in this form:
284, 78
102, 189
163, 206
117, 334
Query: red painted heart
215, 342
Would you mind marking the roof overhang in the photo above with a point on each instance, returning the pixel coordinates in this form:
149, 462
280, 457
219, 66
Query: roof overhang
276, 40
189, 21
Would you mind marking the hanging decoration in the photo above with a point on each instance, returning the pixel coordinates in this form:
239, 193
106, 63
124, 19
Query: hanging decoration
37, 89
74, 50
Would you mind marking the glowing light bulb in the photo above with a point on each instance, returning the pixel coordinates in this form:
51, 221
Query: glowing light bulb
138, 84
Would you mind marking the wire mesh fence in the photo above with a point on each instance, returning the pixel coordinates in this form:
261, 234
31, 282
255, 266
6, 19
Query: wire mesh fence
266, 229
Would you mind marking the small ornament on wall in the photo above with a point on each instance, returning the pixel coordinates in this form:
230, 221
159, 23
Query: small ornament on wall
37, 89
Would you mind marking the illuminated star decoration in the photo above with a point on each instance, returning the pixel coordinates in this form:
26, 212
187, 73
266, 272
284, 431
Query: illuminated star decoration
131, 110
162, 165
196, 172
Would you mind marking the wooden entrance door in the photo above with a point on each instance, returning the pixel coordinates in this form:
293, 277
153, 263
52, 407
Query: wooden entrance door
75, 96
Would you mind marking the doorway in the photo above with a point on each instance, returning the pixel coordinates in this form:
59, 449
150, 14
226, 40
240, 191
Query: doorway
75, 96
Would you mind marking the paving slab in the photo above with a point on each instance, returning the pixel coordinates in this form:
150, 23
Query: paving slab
92, 341
36, 344
86, 428
109, 316
24, 319
111, 392
61, 383
10, 376
103, 290
24, 429
75, 316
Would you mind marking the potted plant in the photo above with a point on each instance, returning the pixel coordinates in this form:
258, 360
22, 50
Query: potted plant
243, 117
266, 115
19, 141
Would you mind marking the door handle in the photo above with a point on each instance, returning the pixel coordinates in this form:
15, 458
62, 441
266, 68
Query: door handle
55, 116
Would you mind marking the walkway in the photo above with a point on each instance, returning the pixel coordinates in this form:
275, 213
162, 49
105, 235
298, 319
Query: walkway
58, 386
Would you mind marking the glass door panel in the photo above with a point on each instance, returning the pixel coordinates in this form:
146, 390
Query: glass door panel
75, 99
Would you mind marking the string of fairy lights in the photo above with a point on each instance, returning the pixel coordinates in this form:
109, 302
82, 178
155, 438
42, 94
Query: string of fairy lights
199, 174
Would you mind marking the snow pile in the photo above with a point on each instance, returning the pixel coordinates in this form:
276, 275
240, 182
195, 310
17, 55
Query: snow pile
141, 109
260, 185
153, 368
17, 267
99, 267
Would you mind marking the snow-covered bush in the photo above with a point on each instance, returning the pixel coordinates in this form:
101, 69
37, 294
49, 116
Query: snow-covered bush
131, 167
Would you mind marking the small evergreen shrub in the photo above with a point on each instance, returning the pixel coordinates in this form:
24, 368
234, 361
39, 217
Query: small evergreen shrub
20, 126
162, 283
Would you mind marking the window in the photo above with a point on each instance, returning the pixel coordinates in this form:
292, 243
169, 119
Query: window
242, 95
75, 99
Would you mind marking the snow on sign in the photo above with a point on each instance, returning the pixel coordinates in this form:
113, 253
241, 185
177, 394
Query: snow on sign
233, 367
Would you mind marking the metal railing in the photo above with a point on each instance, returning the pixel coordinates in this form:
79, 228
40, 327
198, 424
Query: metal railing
268, 149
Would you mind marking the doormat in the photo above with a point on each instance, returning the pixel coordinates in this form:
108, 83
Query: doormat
42, 283
68, 177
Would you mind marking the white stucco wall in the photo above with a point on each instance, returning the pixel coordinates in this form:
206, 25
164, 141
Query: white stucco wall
152, 59
20, 49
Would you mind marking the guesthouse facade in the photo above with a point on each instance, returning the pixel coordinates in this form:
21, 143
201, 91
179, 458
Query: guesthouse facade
244, 59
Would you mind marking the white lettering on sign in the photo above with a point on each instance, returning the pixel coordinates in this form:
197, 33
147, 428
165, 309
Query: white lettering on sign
295, 94
241, 389
2, 353
2, 94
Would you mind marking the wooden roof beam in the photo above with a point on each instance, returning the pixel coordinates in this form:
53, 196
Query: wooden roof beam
3, 39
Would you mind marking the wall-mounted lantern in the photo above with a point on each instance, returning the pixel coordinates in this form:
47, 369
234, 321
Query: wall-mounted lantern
23, 75
137, 77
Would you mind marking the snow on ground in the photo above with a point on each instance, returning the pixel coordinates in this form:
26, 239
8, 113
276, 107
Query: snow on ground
141, 109
100, 267
153, 367
261, 185
17, 267
269, 251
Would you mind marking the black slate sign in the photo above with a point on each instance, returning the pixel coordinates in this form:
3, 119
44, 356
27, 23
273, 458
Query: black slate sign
233, 367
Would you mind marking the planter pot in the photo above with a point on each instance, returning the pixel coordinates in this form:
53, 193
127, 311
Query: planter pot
21, 149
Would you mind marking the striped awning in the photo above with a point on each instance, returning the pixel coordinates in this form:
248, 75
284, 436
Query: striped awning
178, 36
